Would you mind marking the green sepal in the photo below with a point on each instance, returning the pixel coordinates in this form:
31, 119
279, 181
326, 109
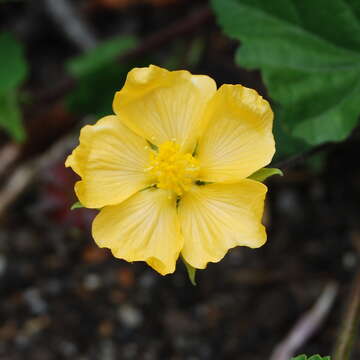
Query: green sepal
314, 357
76, 205
262, 174
191, 271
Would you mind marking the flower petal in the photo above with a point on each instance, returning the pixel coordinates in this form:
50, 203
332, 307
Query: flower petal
217, 217
110, 160
144, 227
238, 139
163, 105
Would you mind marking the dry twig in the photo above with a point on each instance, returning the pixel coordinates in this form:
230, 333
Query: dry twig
70, 22
306, 325
350, 323
296, 159
25, 173
8, 154
180, 28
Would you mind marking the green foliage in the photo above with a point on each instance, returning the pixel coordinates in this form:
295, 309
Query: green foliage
99, 76
94, 93
184, 54
309, 55
13, 67
262, 174
96, 59
10, 115
191, 271
317, 162
286, 144
195, 52
13, 70
314, 357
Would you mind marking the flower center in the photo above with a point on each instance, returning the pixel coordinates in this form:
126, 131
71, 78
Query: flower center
173, 169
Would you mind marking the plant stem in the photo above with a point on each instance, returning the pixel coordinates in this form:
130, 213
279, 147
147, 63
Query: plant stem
350, 323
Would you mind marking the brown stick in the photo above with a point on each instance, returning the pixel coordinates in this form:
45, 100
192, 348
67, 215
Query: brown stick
180, 28
306, 325
26, 172
8, 154
350, 323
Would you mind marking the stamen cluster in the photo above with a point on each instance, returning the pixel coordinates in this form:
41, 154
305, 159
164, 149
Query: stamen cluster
173, 169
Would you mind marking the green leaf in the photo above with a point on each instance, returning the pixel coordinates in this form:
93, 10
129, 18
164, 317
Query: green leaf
101, 56
191, 271
195, 52
94, 92
76, 205
316, 162
13, 68
99, 77
10, 115
262, 174
309, 55
286, 144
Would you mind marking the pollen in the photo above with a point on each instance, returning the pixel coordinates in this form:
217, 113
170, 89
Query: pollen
173, 169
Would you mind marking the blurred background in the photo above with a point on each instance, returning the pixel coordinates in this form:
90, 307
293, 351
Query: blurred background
61, 297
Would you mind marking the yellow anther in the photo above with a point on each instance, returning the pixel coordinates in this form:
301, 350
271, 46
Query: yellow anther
173, 169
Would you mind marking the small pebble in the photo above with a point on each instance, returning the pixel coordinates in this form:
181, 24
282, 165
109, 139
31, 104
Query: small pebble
349, 260
147, 280
35, 301
68, 348
130, 316
92, 282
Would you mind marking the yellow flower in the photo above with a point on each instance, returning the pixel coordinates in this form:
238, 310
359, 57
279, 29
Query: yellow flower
169, 170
